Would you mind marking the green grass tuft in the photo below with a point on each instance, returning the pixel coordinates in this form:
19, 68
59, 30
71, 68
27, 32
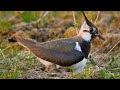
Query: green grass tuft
29, 16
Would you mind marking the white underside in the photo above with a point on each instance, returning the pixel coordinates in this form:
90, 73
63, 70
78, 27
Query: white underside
47, 63
79, 66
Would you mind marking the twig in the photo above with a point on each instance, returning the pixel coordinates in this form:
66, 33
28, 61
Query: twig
115, 69
43, 17
109, 62
111, 49
74, 17
1, 50
97, 17
2, 54
5, 48
109, 52
74, 21
95, 52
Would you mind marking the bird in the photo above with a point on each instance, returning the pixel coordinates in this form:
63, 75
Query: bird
64, 52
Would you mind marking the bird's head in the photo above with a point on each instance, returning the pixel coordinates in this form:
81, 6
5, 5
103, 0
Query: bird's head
88, 30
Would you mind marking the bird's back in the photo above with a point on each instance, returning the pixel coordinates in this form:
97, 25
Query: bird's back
65, 44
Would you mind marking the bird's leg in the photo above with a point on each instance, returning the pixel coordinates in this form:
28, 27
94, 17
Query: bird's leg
50, 67
65, 71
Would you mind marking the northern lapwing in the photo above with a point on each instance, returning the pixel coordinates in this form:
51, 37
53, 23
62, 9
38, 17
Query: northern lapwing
66, 51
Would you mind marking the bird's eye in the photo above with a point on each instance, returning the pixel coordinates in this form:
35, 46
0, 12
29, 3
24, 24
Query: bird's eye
91, 30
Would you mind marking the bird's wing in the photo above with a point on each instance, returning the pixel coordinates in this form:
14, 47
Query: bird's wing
63, 59
61, 45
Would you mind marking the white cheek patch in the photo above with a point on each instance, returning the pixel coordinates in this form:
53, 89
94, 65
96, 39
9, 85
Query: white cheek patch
77, 47
94, 29
86, 36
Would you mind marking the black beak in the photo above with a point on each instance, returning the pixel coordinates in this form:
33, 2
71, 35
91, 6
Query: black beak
100, 36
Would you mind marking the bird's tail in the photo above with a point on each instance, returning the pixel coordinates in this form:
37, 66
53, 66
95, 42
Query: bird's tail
27, 43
